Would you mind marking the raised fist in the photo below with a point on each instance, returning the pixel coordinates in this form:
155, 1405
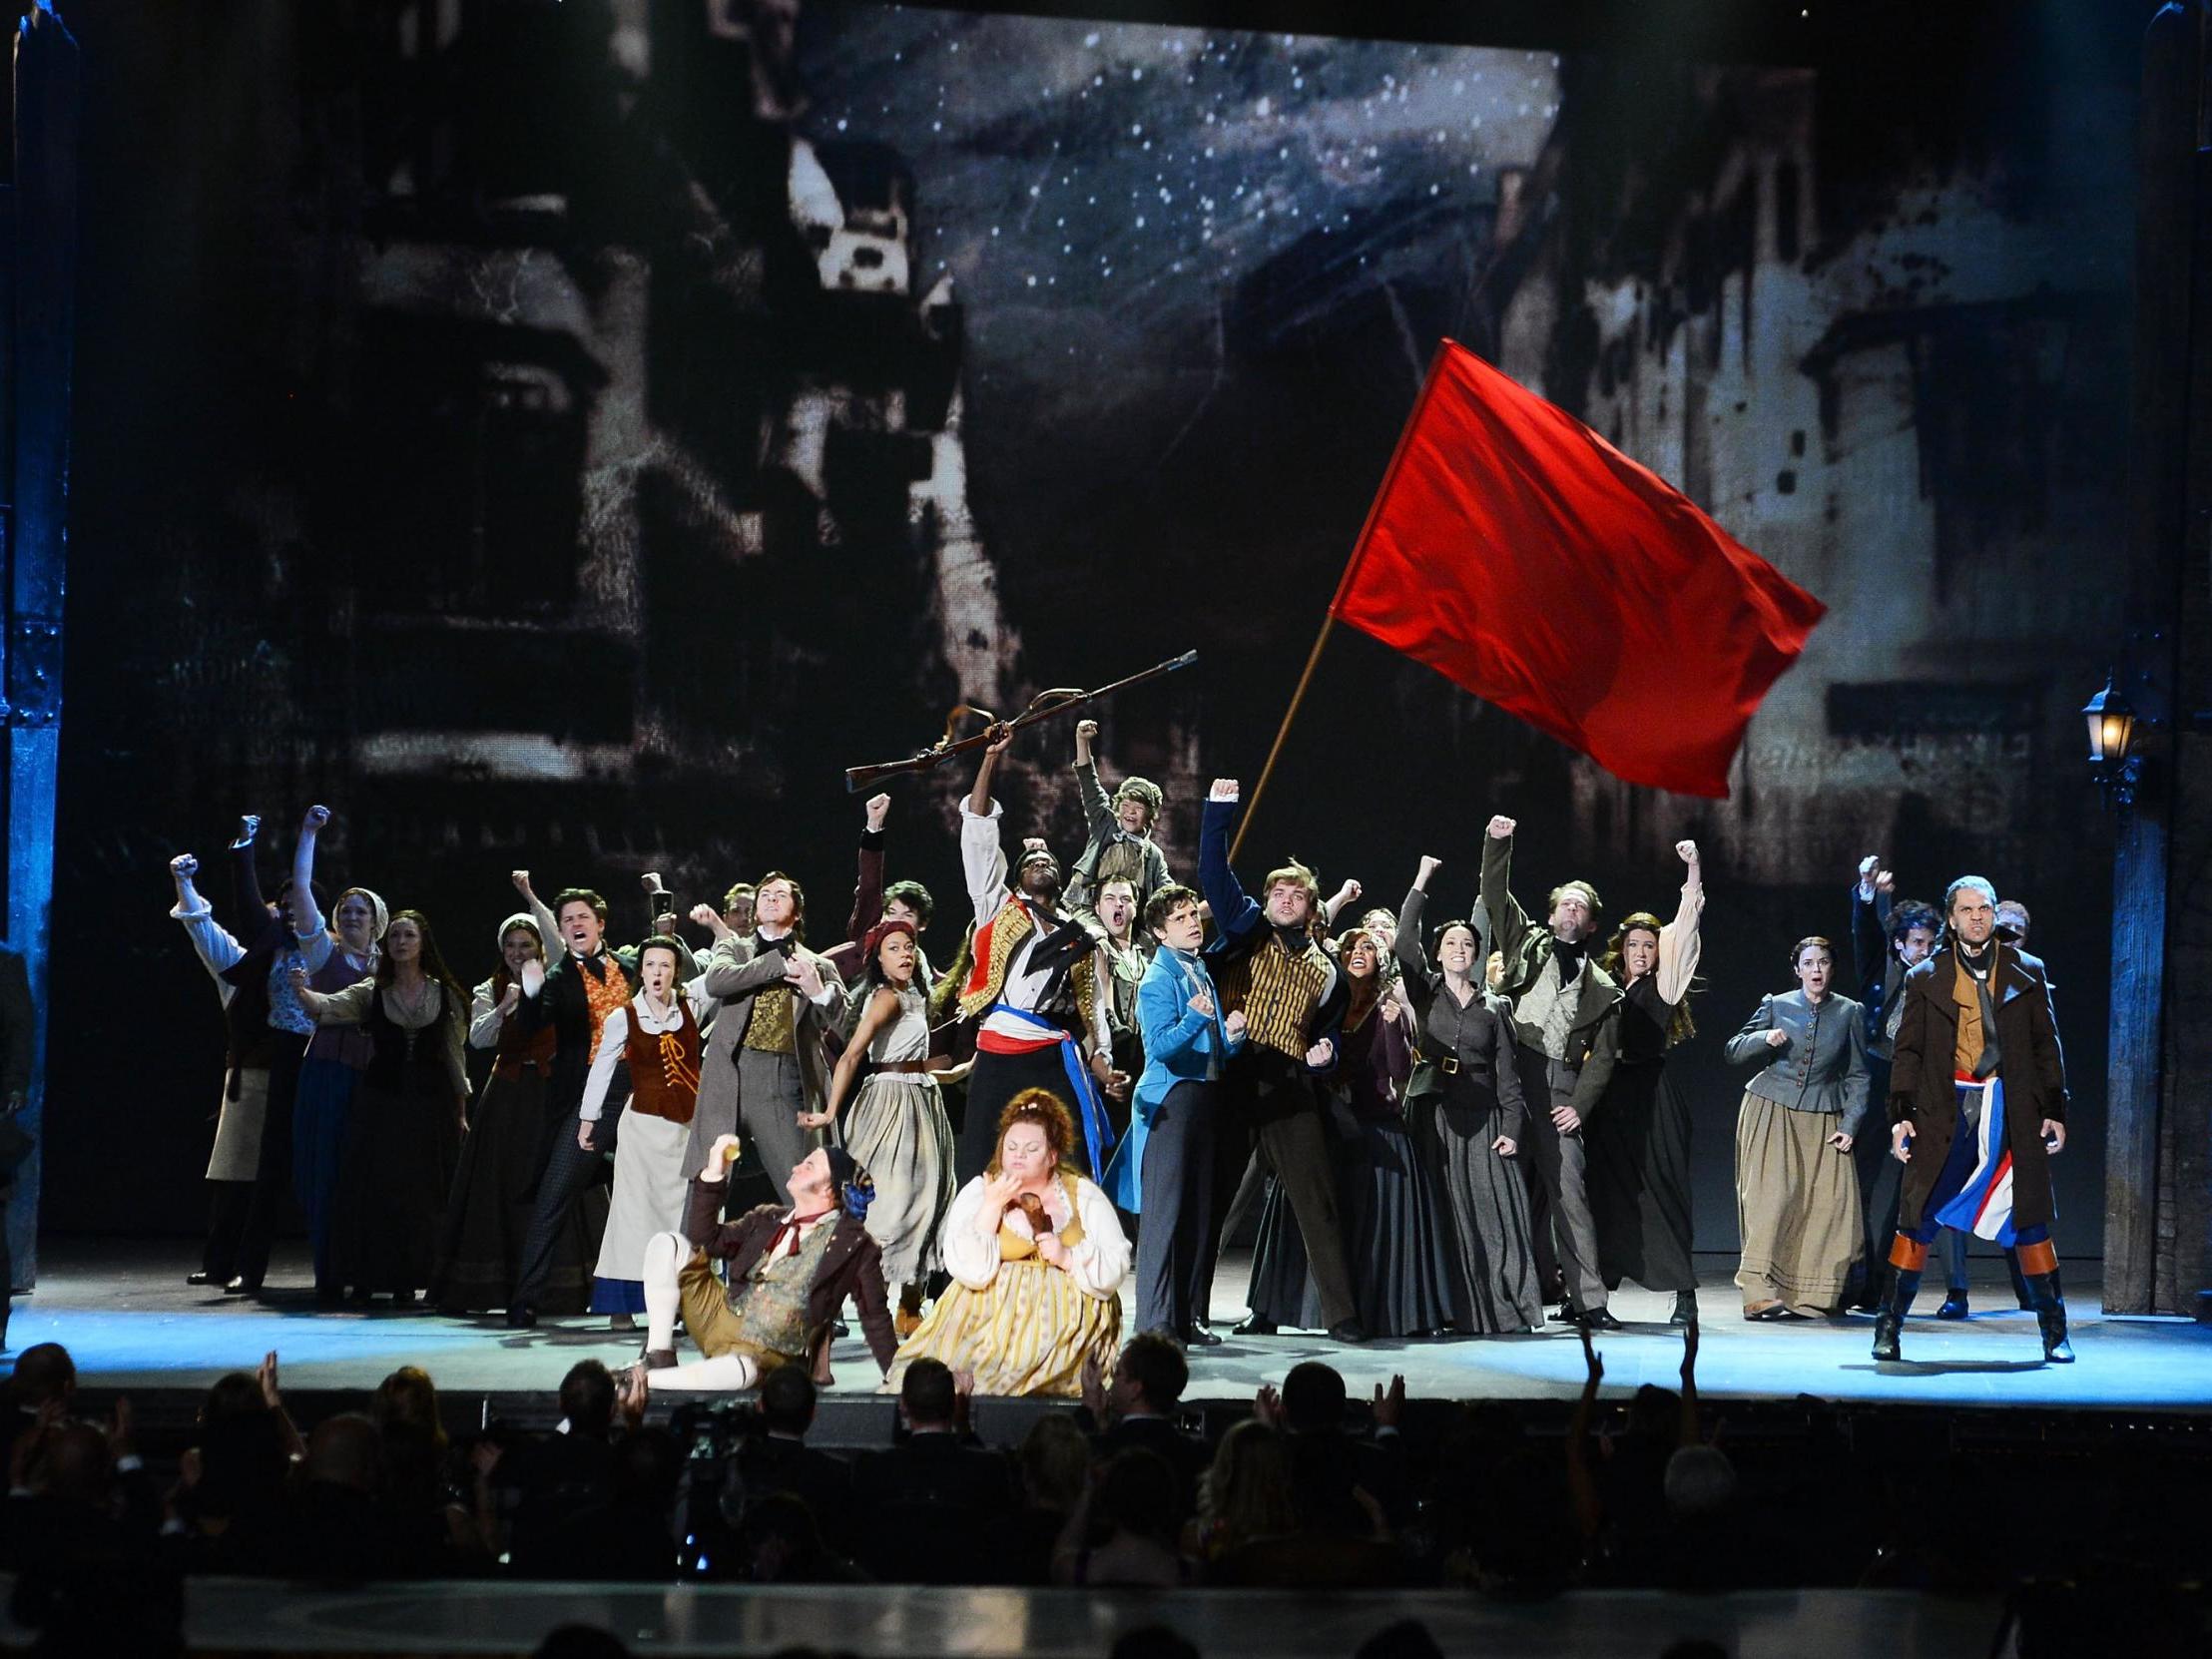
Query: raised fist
879, 808
1225, 788
1428, 868
315, 819
1501, 828
184, 866
1086, 730
705, 916
1686, 851
521, 880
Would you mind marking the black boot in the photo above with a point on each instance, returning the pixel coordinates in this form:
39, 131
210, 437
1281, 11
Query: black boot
2050, 1314
1685, 1308
1955, 1303
1890, 1323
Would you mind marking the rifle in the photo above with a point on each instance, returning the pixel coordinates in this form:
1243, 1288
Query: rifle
1043, 706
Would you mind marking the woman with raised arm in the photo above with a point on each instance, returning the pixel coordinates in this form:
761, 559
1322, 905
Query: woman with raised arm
653, 1040
1464, 1105
405, 1120
1639, 1143
1036, 1257
337, 1054
489, 1213
896, 1126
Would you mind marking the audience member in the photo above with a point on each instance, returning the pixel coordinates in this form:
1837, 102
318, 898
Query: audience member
926, 1502
1122, 1532
1135, 1409
778, 1460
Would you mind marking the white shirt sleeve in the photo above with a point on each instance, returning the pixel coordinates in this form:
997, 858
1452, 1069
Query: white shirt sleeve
982, 862
1101, 1261
212, 942
1680, 946
971, 1242
612, 1036
484, 1018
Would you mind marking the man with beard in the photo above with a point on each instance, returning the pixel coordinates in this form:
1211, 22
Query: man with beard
1036, 983
1977, 1107
1275, 971
1565, 1009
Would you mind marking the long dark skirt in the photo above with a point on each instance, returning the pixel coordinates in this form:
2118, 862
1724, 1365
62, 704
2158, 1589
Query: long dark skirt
1493, 1259
401, 1146
1638, 1143
495, 1188
1395, 1242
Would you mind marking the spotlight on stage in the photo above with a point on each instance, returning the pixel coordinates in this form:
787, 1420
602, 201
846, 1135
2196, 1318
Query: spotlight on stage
2113, 761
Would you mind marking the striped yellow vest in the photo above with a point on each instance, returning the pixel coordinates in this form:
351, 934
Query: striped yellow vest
1278, 993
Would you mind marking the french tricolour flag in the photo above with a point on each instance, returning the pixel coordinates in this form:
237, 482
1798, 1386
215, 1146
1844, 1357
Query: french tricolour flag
1984, 1205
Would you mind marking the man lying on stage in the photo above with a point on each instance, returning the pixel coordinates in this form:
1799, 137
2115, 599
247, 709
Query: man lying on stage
790, 1269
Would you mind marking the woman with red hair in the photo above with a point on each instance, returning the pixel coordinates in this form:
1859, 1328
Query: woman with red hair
1036, 1257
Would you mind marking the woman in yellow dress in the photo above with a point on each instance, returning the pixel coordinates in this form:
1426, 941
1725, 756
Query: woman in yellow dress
1037, 1259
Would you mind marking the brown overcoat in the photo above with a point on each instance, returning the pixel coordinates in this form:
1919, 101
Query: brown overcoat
1922, 1091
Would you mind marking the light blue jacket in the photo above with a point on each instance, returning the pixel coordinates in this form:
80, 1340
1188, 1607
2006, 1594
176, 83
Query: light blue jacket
1181, 1046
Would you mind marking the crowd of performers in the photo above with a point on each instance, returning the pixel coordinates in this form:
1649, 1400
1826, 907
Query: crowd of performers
1442, 1123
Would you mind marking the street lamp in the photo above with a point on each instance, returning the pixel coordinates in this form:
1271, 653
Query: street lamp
2113, 761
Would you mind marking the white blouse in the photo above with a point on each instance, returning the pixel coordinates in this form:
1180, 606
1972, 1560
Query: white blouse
1098, 1264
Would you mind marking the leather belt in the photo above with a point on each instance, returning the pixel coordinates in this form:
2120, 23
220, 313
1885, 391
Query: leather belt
1448, 1064
909, 1067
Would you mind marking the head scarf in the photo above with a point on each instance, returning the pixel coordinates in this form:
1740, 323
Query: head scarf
379, 915
521, 918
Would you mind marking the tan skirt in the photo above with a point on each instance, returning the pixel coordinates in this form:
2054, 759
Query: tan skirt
1797, 1206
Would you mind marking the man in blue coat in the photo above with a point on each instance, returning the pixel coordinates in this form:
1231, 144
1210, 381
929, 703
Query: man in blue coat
1164, 1168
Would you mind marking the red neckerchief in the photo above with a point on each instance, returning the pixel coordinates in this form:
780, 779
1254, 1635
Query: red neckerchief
791, 1224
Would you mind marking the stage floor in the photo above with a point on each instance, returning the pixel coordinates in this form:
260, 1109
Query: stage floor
132, 1324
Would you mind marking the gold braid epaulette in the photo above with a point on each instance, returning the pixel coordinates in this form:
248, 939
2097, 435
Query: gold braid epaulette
1008, 929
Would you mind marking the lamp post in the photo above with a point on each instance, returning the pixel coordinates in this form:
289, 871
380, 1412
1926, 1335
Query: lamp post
2113, 761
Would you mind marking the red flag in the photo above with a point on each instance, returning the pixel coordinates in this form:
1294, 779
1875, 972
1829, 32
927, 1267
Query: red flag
1523, 557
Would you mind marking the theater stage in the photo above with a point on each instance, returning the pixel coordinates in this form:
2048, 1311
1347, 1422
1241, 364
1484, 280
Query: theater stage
124, 1311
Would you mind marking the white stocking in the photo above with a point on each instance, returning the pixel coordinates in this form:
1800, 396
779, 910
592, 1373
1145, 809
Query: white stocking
665, 1255
725, 1373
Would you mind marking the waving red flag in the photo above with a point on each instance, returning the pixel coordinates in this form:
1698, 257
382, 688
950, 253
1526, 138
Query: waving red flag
1523, 557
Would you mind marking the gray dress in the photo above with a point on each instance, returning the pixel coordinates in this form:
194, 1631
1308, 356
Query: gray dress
1465, 1092
896, 1130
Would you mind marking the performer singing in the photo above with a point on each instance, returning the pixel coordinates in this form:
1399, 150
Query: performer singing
1465, 1107
1036, 1259
1036, 981
1274, 971
1888, 940
574, 998
405, 1120
1639, 1142
791, 1267
1563, 1008
766, 1062
509, 1137
1797, 1191
895, 1127
655, 1039
1121, 844
1164, 1170
249, 1168
1977, 1108
336, 1055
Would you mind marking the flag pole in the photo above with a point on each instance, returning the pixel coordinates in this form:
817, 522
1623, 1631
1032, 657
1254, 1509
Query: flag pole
1344, 582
